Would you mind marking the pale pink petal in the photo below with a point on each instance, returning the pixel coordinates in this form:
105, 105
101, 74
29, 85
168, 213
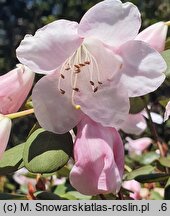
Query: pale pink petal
143, 68
154, 35
21, 178
134, 124
54, 110
111, 21
133, 186
5, 129
15, 86
109, 105
156, 118
50, 46
167, 111
137, 146
97, 152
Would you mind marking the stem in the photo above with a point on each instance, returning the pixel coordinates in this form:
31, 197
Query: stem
167, 23
153, 129
20, 114
127, 168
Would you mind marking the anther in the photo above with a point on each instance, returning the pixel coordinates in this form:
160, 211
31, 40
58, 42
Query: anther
62, 76
92, 83
95, 89
67, 68
62, 91
77, 66
100, 82
87, 62
77, 70
82, 65
76, 89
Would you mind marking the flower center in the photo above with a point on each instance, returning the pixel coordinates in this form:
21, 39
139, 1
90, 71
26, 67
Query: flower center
81, 60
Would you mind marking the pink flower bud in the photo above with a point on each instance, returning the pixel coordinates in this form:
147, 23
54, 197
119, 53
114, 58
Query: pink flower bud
154, 35
14, 88
5, 128
99, 159
133, 186
137, 146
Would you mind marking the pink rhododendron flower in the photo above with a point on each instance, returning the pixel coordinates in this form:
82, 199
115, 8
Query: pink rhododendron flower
99, 159
133, 186
155, 35
167, 111
93, 67
5, 128
14, 88
137, 146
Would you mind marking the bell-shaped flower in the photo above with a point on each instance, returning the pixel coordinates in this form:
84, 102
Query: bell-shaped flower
133, 186
137, 146
93, 67
5, 128
155, 35
99, 159
167, 111
14, 88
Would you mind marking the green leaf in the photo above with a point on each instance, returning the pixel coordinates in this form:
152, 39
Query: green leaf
167, 44
77, 195
164, 102
153, 177
167, 190
46, 152
154, 195
60, 189
141, 171
148, 158
137, 104
7, 196
12, 160
164, 161
166, 55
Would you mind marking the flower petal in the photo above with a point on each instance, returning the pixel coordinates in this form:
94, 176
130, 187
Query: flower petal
154, 35
15, 86
50, 46
97, 152
134, 124
133, 186
5, 125
143, 68
167, 111
53, 109
111, 21
109, 105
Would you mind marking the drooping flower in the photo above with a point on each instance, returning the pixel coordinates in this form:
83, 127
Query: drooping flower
133, 186
167, 111
14, 88
93, 67
155, 35
5, 128
137, 146
99, 159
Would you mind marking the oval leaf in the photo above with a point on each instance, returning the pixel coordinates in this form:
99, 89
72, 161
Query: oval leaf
137, 104
166, 55
164, 161
12, 160
46, 152
141, 171
153, 177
